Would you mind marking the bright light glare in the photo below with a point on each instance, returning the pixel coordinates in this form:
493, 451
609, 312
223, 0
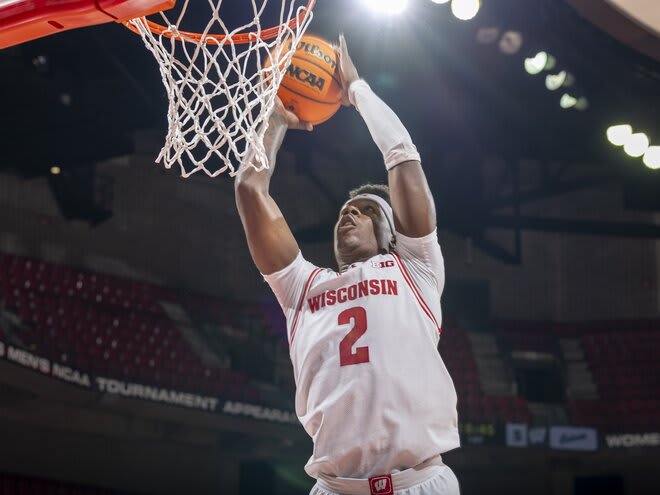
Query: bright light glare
619, 134
439, 1
539, 62
652, 157
55, 170
636, 145
387, 6
465, 9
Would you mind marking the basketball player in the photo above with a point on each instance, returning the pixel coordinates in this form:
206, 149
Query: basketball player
371, 389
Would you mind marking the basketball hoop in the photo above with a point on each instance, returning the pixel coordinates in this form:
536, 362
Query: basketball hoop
221, 83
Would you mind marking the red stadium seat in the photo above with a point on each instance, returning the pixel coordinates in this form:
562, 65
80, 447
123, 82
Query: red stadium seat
101, 323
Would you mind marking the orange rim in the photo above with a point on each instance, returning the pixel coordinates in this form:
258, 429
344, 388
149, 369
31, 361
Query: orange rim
217, 39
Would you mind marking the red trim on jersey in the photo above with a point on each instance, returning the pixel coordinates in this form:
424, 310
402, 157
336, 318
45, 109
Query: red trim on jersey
416, 292
300, 304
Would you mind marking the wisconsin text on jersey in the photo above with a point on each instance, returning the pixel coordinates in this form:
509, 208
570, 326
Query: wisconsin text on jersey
375, 287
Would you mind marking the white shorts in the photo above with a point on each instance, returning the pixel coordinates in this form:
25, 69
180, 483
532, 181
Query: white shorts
431, 478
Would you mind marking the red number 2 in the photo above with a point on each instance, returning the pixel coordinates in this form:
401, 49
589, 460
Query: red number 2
346, 354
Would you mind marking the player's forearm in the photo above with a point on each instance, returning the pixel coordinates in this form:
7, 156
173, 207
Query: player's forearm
252, 181
269, 238
386, 129
412, 202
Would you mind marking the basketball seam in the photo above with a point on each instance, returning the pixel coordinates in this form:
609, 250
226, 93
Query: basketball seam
310, 98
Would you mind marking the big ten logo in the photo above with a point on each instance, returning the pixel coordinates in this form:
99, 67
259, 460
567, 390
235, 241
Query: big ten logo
381, 485
305, 76
382, 264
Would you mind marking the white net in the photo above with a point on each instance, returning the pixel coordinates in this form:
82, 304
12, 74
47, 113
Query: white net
221, 83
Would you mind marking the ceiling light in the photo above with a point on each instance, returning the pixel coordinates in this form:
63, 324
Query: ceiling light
652, 157
40, 63
539, 62
567, 101
556, 81
387, 6
636, 145
511, 42
465, 9
619, 134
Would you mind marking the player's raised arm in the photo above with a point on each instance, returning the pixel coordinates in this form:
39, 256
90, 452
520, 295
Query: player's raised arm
269, 237
412, 202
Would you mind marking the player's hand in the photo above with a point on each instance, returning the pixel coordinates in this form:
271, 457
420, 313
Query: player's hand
347, 71
286, 117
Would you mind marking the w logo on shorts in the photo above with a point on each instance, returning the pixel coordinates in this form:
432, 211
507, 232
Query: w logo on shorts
381, 485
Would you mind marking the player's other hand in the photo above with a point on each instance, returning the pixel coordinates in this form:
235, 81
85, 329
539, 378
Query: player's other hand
347, 71
286, 117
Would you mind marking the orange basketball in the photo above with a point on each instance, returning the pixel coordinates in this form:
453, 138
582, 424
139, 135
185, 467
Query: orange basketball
311, 87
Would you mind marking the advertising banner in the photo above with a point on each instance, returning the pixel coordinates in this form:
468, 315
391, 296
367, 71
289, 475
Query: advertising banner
515, 435
27, 359
522, 435
106, 385
573, 438
632, 440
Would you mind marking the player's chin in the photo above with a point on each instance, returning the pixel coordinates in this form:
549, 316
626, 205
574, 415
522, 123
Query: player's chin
351, 232
347, 239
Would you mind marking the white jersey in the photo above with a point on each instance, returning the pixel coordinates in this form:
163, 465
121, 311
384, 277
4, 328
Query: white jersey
371, 388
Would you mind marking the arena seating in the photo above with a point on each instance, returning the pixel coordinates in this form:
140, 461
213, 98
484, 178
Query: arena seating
113, 326
116, 327
623, 358
527, 336
107, 325
473, 404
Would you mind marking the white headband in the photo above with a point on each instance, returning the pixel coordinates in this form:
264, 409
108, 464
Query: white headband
384, 206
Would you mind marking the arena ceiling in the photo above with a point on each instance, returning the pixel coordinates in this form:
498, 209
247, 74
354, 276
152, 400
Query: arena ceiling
633, 22
79, 98
644, 12
83, 92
